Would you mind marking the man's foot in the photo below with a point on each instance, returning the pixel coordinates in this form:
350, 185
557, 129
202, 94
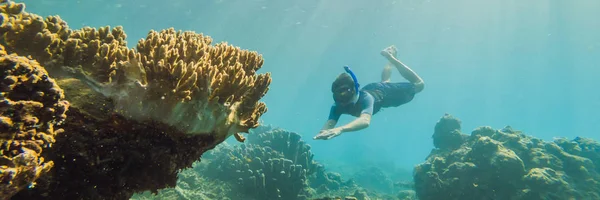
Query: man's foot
390, 51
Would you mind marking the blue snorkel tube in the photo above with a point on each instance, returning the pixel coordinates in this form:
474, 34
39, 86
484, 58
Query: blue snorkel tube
356, 85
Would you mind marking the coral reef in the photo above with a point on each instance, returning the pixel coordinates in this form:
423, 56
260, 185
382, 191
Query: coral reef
249, 171
506, 164
289, 144
136, 117
260, 172
31, 106
272, 166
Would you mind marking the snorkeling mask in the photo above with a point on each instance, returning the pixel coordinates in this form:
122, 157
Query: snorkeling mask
344, 91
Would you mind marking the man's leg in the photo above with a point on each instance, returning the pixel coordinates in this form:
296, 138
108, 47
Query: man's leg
387, 73
405, 71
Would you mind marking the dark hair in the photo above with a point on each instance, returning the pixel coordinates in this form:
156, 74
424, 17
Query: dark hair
344, 79
343, 88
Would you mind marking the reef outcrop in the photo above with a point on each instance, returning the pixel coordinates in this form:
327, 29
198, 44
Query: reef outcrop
506, 164
120, 120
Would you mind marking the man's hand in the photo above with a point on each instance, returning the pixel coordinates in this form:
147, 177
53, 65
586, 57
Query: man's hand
328, 134
389, 52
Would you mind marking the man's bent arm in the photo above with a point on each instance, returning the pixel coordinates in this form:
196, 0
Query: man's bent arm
333, 118
358, 124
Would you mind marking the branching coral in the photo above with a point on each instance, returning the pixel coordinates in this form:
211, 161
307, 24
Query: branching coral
288, 143
31, 104
180, 79
260, 172
175, 77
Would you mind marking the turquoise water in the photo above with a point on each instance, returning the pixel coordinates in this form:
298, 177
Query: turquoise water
533, 65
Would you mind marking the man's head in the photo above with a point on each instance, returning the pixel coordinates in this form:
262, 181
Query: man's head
343, 89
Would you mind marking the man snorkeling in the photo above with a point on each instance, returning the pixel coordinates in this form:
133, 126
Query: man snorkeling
371, 98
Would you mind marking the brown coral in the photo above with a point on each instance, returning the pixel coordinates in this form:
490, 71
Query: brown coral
31, 104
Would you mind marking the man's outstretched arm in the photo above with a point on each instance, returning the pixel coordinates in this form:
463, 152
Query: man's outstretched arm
364, 120
359, 123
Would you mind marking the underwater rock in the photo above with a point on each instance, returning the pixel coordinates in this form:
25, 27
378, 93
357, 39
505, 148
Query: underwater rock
361, 195
507, 164
326, 182
447, 133
407, 195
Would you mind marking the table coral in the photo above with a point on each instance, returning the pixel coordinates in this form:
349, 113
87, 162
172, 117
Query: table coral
31, 105
176, 77
184, 81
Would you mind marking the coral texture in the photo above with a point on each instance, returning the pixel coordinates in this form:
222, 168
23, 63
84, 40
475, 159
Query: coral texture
31, 105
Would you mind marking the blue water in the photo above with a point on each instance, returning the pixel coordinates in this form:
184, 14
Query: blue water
533, 65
